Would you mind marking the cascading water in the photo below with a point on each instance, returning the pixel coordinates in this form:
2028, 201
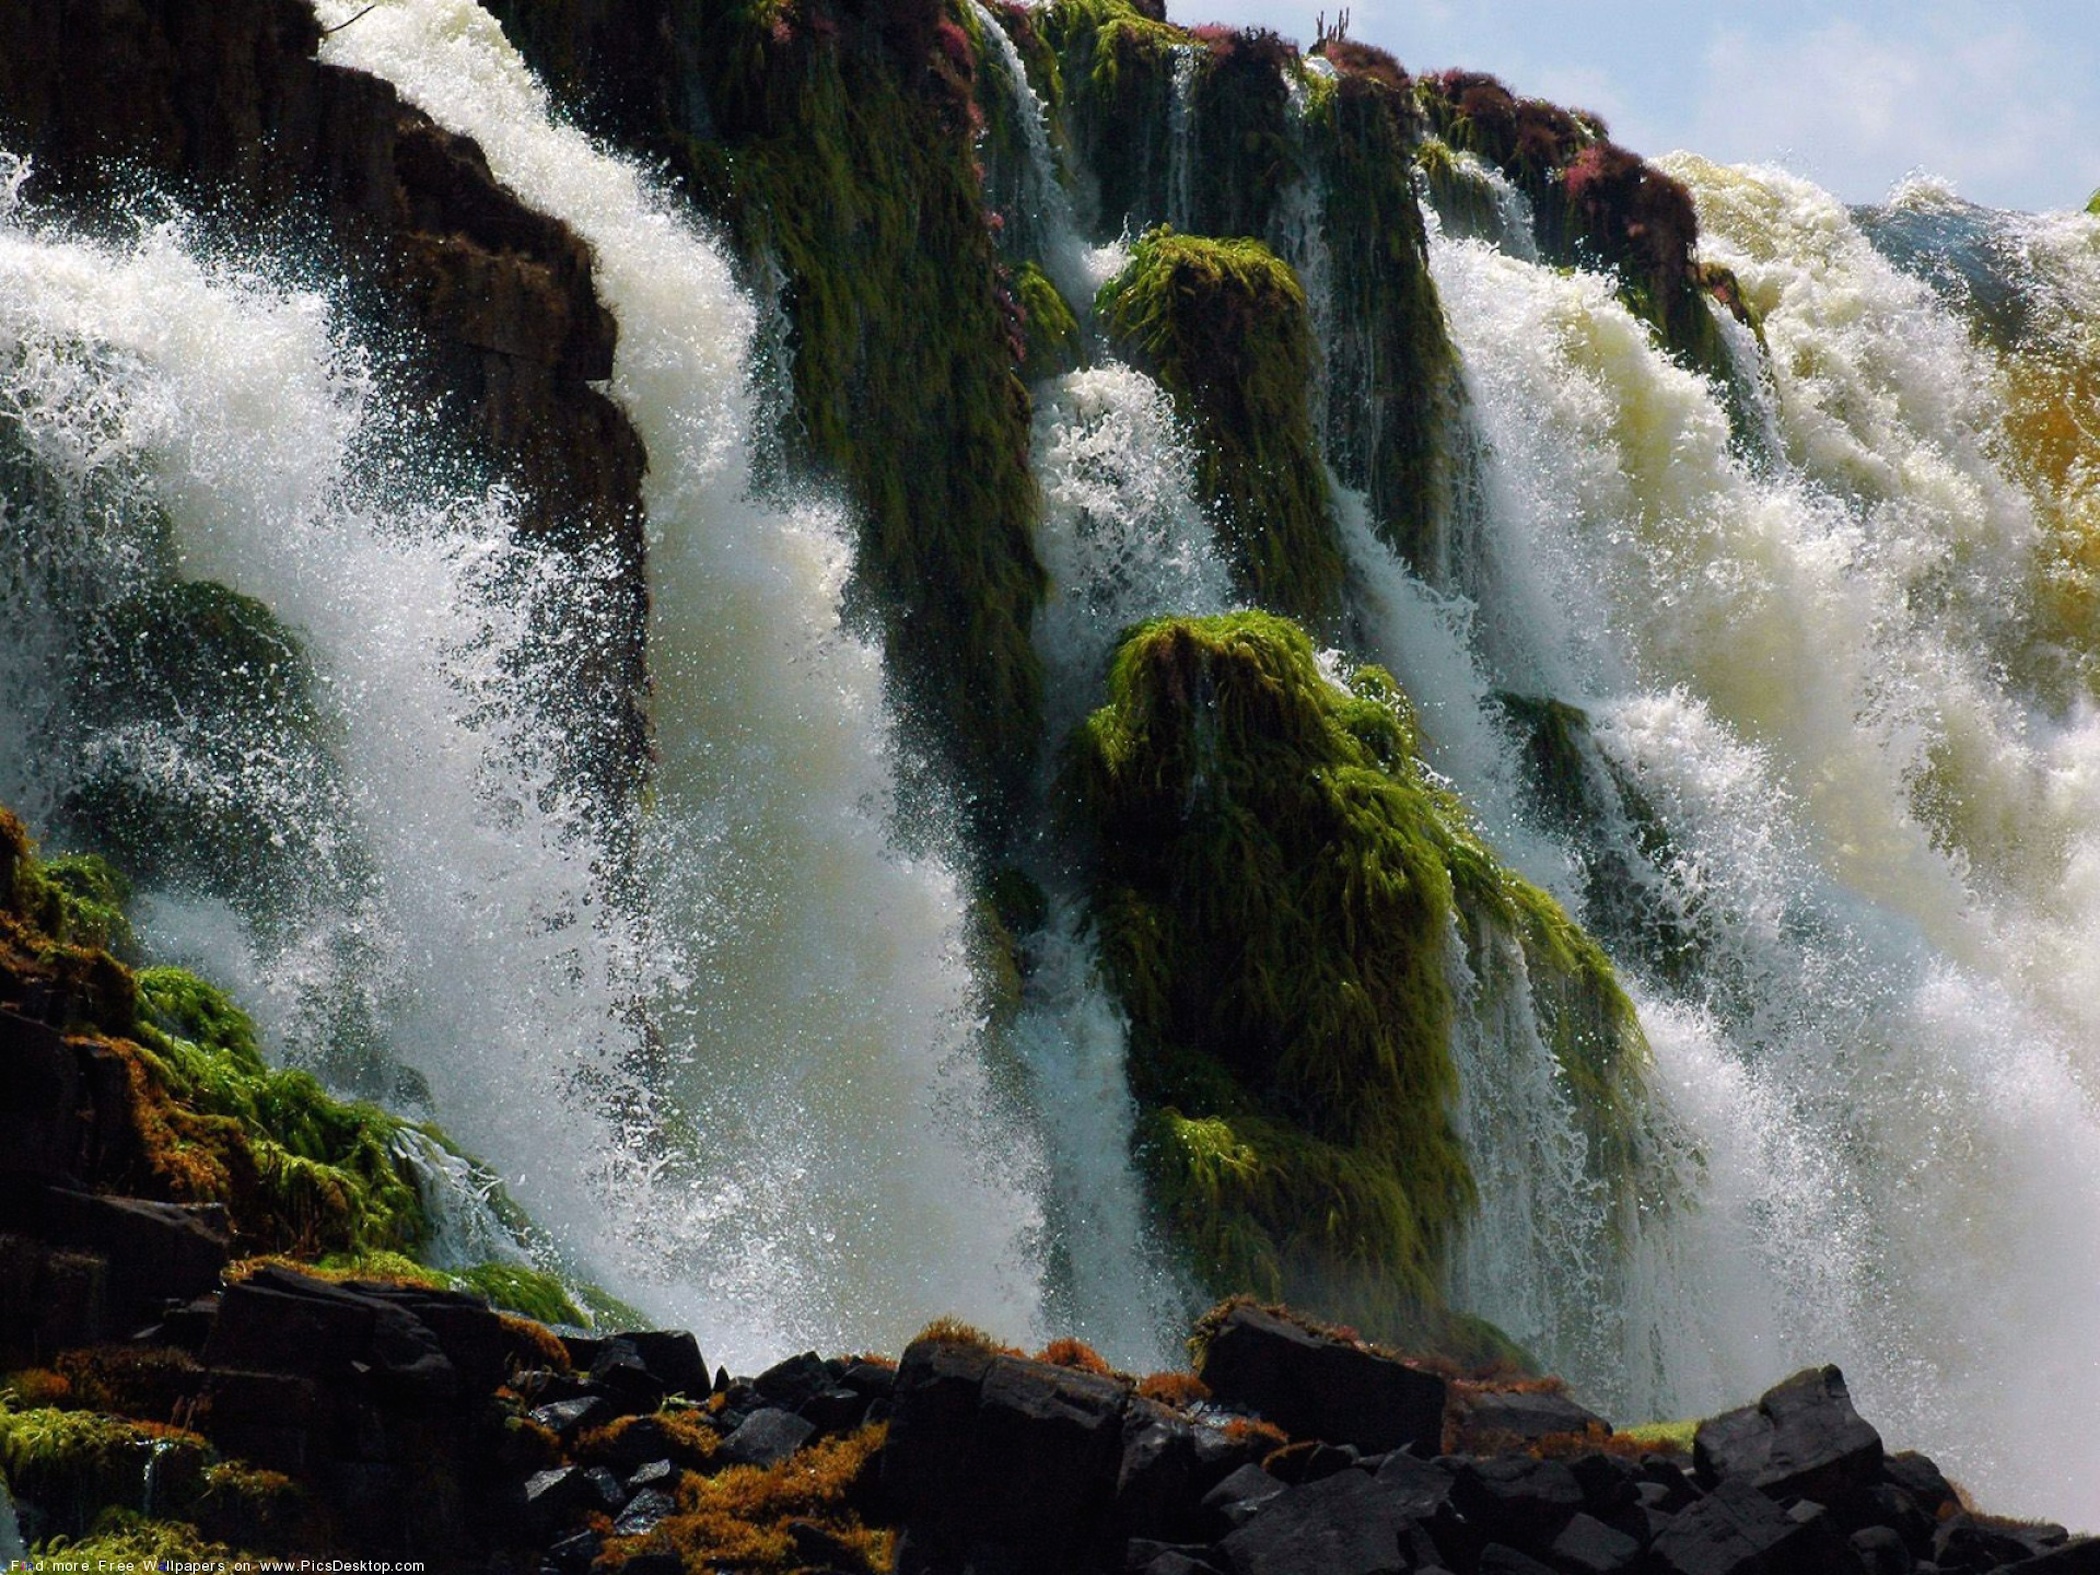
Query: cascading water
1876, 836
833, 1156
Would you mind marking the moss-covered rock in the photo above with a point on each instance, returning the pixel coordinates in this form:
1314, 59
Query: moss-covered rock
1593, 203
834, 140
1223, 325
1277, 886
93, 1484
1116, 72
209, 760
1053, 342
1394, 395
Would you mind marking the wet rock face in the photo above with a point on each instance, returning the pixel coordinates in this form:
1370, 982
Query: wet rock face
222, 103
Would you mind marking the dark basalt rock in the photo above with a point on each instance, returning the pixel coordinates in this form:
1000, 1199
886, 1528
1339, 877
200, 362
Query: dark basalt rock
1734, 1530
1520, 1499
1317, 1386
224, 100
1243, 1495
1801, 1440
1524, 1414
1343, 1525
1587, 1546
767, 1437
969, 1423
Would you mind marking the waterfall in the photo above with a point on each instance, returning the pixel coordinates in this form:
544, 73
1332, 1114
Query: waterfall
832, 1154
1810, 669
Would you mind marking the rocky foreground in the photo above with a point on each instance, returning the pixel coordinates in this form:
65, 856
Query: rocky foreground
287, 1414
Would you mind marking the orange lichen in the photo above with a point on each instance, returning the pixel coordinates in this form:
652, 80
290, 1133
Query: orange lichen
766, 1519
1075, 1354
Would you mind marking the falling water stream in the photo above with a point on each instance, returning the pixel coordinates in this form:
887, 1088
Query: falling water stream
1843, 669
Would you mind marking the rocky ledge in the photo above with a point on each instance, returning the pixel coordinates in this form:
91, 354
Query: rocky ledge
287, 1414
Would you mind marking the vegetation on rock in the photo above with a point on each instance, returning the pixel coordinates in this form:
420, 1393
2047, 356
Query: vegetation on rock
834, 140
1276, 885
1223, 325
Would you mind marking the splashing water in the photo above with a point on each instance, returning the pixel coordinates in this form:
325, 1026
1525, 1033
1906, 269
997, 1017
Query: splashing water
1879, 1068
835, 1167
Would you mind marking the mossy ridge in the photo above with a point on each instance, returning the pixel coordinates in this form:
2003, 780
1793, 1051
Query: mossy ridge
1395, 396
1636, 903
84, 1478
833, 141
1593, 202
1276, 884
1054, 343
1116, 69
302, 1173
1223, 325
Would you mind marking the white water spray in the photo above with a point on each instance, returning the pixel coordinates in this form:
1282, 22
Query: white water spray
1796, 665
833, 1167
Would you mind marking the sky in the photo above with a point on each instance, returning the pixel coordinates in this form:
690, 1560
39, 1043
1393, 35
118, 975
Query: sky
2001, 99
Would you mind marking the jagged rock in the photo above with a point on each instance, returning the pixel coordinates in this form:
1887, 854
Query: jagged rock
575, 1554
1917, 1476
1242, 1495
155, 1252
1499, 1558
1587, 1546
1516, 1498
1801, 1440
1343, 1525
644, 1511
1316, 1386
970, 1424
568, 1418
1882, 1551
1525, 1414
1158, 1478
767, 1437
554, 1496
1734, 1530
658, 1474
619, 1373
1963, 1543
672, 1357
2079, 1556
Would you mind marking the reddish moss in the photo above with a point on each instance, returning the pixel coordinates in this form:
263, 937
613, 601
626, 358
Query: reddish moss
1075, 1354
1179, 1390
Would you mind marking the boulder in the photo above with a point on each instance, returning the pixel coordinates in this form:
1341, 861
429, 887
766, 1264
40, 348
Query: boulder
1516, 1498
1734, 1530
1341, 1525
1801, 1440
766, 1437
1587, 1546
1242, 1495
1524, 1414
1316, 1385
672, 1357
994, 1450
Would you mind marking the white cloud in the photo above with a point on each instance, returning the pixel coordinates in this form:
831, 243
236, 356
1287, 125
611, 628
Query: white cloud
1977, 98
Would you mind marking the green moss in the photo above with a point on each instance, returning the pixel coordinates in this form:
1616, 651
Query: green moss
1116, 66
1054, 346
299, 1170
1223, 325
519, 1289
1277, 882
1630, 894
99, 1486
1273, 894
833, 140
122, 1540
1394, 395
1247, 150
